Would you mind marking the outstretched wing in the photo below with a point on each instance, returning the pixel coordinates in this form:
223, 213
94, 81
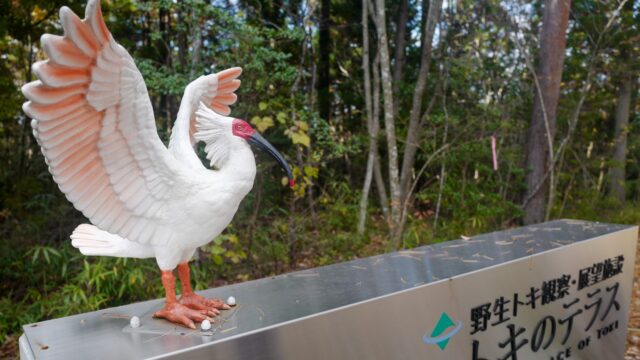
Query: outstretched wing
217, 91
93, 119
219, 88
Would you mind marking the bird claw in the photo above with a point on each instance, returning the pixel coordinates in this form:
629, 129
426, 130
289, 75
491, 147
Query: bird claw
197, 302
182, 315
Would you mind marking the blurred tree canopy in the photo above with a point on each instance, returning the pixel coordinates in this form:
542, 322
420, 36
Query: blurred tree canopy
386, 110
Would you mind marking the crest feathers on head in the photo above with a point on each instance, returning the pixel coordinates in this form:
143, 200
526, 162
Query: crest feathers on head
214, 130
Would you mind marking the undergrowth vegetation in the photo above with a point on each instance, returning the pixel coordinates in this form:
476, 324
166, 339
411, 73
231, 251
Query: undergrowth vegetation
48, 281
479, 89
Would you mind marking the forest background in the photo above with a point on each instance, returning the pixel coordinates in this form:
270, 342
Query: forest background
407, 122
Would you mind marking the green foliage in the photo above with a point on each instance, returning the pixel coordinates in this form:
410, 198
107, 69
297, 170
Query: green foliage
479, 86
60, 281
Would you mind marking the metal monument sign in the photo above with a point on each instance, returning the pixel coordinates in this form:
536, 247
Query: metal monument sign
569, 303
558, 290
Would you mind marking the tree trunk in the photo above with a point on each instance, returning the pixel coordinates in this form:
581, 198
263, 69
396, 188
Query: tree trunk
413, 133
324, 49
399, 52
423, 17
164, 56
617, 172
389, 121
183, 47
377, 168
25, 134
196, 44
443, 168
369, 113
542, 128
380, 186
364, 199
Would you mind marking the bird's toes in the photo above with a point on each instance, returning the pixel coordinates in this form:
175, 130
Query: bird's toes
175, 318
217, 304
201, 306
182, 315
197, 302
198, 315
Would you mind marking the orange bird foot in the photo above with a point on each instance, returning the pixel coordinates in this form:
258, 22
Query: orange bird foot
197, 302
182, 315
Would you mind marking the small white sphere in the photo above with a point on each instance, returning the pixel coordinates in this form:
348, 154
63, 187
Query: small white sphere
205, 325
231, 301
134, 322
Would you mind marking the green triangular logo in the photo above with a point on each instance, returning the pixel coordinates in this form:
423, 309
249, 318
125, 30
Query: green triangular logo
444, 322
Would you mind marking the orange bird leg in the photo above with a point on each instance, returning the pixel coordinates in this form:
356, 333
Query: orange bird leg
174, 311
193, 300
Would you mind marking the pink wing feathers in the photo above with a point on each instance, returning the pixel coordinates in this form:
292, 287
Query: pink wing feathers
222, 95
94, 122
217, 93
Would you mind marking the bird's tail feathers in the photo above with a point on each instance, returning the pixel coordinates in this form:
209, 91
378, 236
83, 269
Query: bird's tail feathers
92, 241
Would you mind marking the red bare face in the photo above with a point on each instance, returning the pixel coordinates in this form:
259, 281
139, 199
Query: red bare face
241, 129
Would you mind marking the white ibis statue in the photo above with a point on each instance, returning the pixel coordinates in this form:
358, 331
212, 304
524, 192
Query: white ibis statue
93, 120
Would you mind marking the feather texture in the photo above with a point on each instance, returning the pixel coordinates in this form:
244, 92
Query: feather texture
93, 120
90, 113
213, 130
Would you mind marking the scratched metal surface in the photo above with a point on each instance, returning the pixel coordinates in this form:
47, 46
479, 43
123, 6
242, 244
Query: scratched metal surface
265, 304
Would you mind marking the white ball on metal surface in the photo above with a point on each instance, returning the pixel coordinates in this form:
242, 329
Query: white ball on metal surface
205, 325
134, 322
231, 301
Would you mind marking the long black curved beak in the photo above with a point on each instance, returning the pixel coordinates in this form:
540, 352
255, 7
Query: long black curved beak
260, 142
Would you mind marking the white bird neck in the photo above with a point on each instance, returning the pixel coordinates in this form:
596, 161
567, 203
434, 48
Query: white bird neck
239, 170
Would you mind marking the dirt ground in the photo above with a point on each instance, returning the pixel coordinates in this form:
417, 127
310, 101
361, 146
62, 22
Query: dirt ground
633, 333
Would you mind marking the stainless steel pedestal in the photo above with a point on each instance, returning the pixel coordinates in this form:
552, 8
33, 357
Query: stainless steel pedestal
441, 301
